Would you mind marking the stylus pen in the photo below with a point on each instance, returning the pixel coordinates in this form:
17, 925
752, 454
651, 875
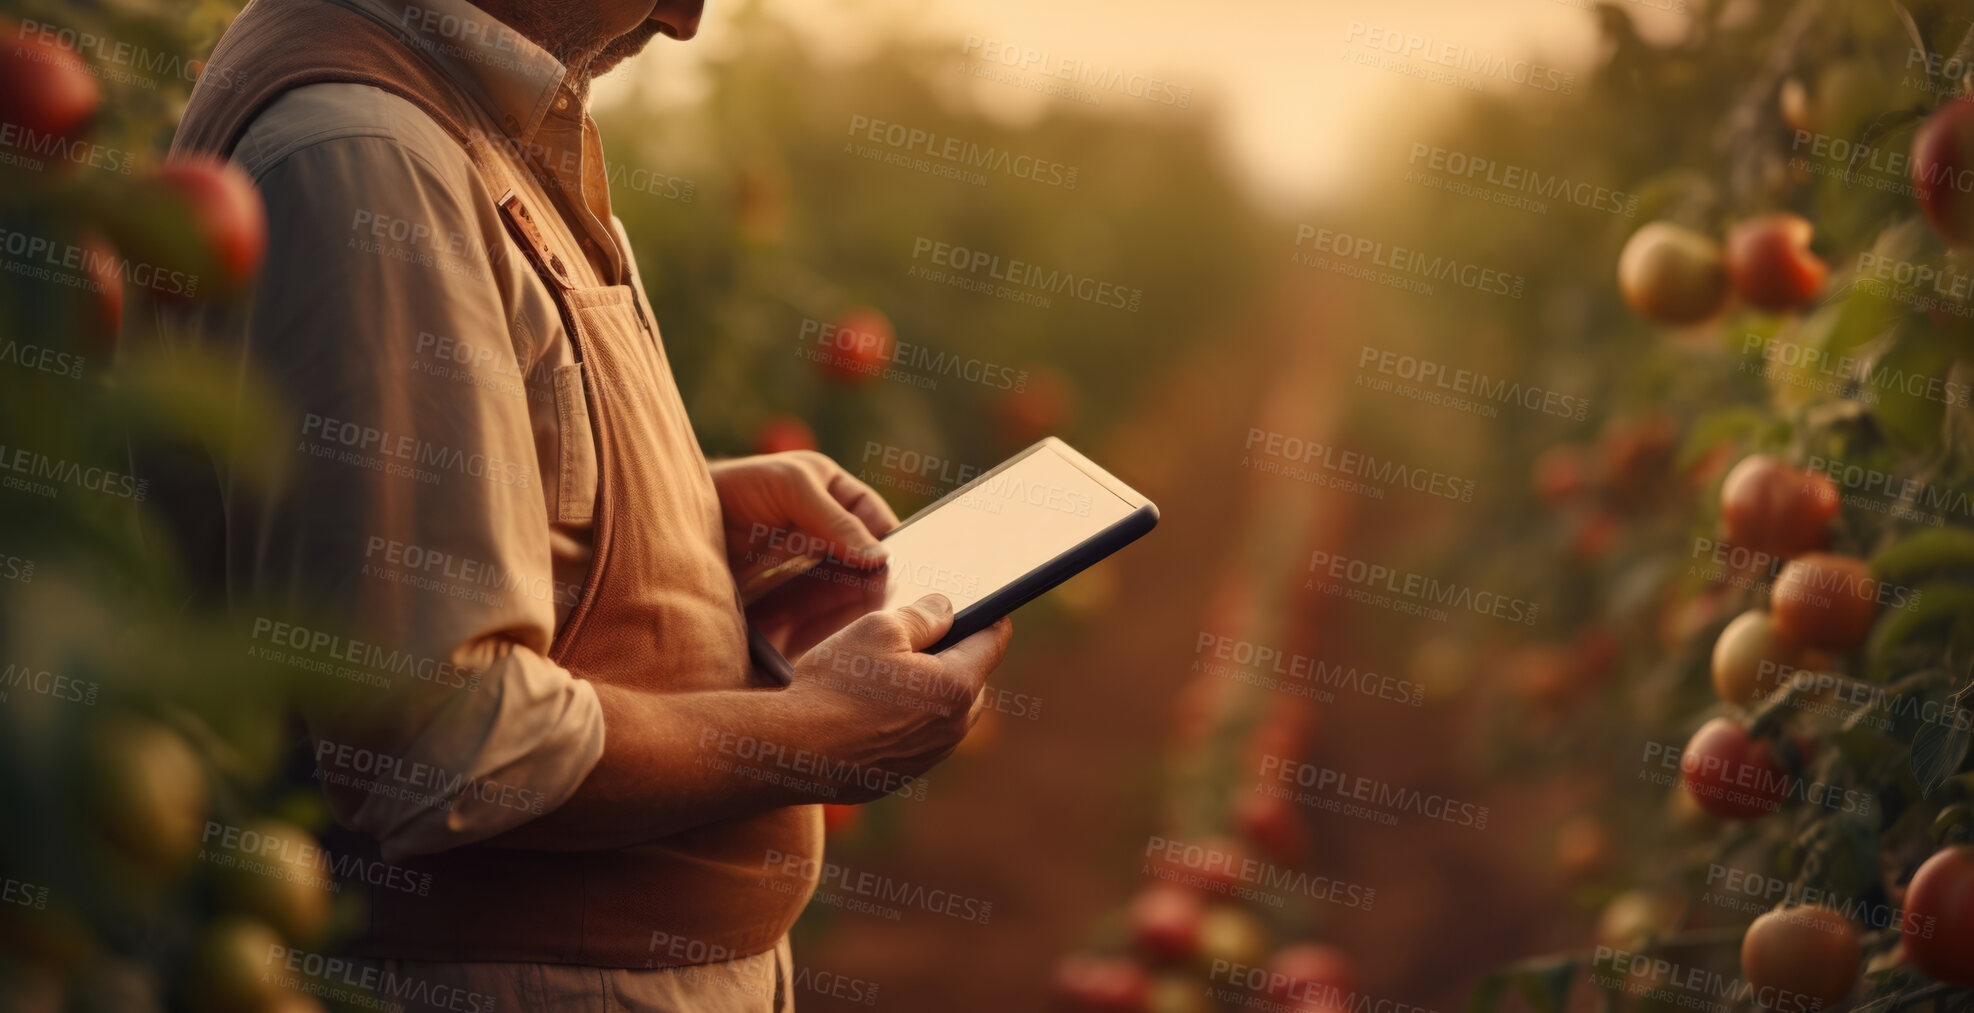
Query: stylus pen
767, 659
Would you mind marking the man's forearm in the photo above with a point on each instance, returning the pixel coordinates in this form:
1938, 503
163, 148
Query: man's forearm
664, 768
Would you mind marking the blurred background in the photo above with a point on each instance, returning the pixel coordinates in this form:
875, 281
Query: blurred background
1445, 550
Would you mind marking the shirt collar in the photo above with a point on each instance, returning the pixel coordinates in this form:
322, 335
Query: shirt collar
517, 81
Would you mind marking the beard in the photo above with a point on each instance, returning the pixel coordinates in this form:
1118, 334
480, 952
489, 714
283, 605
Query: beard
570, 32
621, 48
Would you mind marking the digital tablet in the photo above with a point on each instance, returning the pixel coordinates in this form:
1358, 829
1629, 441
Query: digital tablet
995, 543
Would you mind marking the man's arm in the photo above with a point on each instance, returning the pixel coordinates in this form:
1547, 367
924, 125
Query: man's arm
443, 564
662, 769
412, 526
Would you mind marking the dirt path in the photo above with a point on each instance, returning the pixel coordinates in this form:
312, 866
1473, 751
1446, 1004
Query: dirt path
1049, 824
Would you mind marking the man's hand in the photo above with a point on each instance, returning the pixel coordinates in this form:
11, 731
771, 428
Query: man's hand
883, 711
866, 700
799, 503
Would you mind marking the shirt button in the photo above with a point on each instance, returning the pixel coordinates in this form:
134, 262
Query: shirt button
561, 103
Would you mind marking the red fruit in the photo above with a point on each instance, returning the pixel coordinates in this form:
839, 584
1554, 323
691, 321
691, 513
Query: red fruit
1770, 263
1043, 406
1313, 973
1271, 824
1942, 157
1802, 957
1825, 600
1768, 506
45, 88
1939, 928
1165, 923
1672, 275
1733, 775
857, 346
1101, 985
838, 818
198, 226
1212, 866
1560, 474
782, 433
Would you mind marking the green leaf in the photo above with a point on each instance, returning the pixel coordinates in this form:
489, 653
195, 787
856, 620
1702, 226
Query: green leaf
1546, 986
1937, 752
1736, 425
1487, 994
1927, 552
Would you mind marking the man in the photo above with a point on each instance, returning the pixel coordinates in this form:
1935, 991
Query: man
545, 711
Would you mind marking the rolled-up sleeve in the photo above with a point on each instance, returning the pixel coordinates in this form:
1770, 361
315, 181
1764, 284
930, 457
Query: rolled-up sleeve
412, 522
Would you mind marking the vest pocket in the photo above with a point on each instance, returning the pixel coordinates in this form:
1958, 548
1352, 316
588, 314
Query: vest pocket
575, 486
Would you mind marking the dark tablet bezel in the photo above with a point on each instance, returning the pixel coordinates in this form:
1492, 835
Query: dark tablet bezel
1026, 588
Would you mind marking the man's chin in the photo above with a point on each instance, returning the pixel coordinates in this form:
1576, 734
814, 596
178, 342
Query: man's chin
625, 46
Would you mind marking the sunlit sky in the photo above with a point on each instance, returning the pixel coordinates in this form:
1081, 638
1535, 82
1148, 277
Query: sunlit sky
1299, 115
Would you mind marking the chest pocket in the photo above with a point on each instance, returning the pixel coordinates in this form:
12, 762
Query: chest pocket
575, 485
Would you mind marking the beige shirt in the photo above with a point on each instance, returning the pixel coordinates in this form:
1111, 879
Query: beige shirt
438, 504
